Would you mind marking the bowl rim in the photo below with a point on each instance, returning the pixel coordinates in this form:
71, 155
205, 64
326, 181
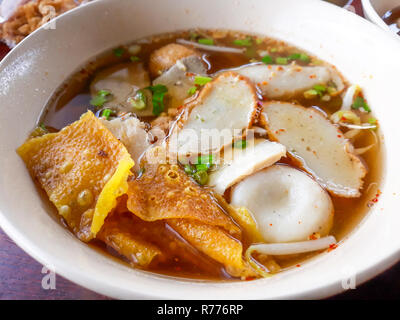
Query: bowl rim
372, 15
92, 283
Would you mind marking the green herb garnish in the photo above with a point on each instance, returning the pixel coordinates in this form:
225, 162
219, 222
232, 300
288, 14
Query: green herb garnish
372, 121
201, 167
359, 103
159, 92
320, 88
259, 41
310, 94
304, 58
106, 113
267, 59
206, 41
243, 42
192, 91
240, 144
119, 52
294, 56
272, 50
199, 171
201, 177
189, 169
100, 98
206, 159
299, 56
138, 101
201, 81
134, 58
43, 127
282, 60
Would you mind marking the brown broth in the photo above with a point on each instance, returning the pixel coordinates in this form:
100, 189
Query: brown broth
73, 99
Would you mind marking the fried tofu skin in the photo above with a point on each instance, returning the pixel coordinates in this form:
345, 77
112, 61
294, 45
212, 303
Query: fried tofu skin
83, 169
212, 241
166, 192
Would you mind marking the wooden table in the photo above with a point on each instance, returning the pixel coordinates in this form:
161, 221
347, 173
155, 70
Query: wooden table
21, 276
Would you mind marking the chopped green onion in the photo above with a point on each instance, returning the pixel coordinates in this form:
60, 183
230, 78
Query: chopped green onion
119, 52
243, 42
310, 94
240, 144
134, 58
304, 58
267, 59
259, 41
100, 98
205, 41
201, 81
294, 56
138, 101
106, 113
159, 92
299, 56
189, 169
43, 127
359, 103
201, 167
372, 121
201, 177
272, 50
320, 88
192, 91
281, 60
206, 159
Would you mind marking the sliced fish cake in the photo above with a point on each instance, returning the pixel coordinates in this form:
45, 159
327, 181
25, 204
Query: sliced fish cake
320, 146
223, 110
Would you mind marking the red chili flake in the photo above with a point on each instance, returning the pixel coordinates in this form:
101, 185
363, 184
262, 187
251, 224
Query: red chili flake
339, 136
250, 278
270, 224
313, 236
313, 76
374, 200
333, 246
279, 68
298, 265
310, 117
265, 83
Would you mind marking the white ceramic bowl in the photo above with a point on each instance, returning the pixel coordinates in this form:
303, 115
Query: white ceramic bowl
35, 68
375, 9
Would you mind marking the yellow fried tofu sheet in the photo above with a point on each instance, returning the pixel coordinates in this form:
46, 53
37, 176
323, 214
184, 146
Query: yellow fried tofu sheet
165, 192
83, 168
